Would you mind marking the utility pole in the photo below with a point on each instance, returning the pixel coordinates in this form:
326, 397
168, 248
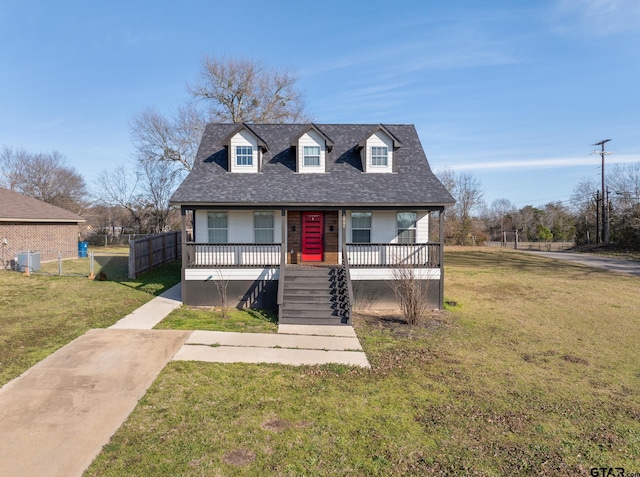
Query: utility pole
598, 230
604, 215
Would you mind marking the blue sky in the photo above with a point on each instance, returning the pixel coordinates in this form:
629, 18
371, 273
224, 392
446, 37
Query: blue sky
513, 92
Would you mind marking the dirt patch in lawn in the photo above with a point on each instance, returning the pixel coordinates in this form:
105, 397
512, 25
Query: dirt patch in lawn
276, 424
399, 327
239, 457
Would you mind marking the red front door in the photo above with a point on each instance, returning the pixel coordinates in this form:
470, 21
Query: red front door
312, 230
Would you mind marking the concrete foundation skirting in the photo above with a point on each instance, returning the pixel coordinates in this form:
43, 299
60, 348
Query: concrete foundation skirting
369, 294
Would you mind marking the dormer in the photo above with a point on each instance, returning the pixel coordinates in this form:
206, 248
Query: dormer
377, 149
244, 150
311, 146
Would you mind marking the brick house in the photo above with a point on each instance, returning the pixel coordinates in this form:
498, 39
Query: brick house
30, 224
313, 218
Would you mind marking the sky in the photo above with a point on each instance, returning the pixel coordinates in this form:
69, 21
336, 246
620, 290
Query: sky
513, 92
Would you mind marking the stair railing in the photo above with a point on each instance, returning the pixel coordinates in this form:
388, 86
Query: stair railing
347, 279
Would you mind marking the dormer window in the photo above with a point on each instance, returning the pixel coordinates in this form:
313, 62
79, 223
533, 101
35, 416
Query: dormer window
311, 155
311, 147
379, 156
245, 149
244, 156
377, 149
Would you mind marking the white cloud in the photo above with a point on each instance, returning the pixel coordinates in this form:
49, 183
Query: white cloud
599, 17
548, 163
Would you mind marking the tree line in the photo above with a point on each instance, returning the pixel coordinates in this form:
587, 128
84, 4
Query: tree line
472, 222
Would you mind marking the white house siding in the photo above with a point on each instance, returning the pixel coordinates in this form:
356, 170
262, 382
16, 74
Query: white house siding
243, 138
422, 227
311, 138
378, 139
388, 274
239, 226
232, 274
384, 227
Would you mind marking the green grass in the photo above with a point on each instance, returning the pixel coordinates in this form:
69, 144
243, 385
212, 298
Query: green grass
43, 312
244, 320
533, 372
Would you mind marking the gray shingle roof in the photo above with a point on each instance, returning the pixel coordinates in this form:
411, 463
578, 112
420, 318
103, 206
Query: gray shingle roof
15, 207
412, 184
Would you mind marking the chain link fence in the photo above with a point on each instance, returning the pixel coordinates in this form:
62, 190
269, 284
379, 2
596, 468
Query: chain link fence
100, 263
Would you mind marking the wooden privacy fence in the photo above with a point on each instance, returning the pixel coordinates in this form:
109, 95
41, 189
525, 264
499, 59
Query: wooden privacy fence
152, 251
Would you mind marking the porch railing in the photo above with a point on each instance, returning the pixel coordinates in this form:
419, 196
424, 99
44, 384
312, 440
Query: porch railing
389, 254
233, 255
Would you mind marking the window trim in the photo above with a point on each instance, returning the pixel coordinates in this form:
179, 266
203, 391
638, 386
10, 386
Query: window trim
256, 213
305, 155
244, 154
413, 228
226, 229
378, 155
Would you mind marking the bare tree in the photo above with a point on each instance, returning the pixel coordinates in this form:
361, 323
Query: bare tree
44, 176
168, 139
411, 292
585, 210
467, 191
228, 90
246, 90
624, 183
499, 217
144, 192
158, 183
119, 187
222, 283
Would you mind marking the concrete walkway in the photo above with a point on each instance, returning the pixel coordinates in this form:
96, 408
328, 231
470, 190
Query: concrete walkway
152, 312
295, 349
295, 345
56, 417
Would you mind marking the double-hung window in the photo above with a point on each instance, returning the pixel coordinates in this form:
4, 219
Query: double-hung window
217, 227
361, 227
379, 156
311, 155
263, 227
406, 226
244, 156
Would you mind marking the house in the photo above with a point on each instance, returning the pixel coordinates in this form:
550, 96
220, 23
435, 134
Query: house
313, 218
28, 224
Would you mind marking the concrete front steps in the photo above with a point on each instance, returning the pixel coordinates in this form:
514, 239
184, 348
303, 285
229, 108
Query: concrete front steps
311, 296
302, 345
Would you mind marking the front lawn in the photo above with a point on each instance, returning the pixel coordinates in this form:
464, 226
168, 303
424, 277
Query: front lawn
211, 319
533, 372
43, 312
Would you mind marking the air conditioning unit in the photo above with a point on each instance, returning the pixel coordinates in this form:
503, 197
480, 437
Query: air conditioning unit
29, 260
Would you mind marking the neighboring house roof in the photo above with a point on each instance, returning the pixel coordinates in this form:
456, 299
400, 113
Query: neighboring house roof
412, 183
15, 207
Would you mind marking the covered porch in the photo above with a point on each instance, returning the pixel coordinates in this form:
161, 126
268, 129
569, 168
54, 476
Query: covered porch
310, 237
